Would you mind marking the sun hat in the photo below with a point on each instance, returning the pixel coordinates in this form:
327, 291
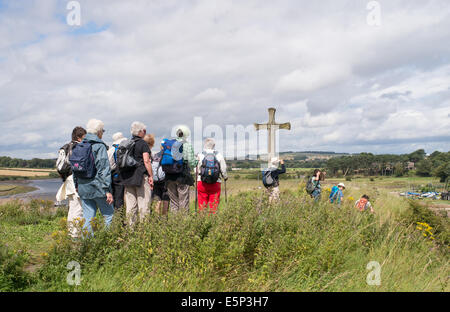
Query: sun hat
118, 138
275, 161
341, 184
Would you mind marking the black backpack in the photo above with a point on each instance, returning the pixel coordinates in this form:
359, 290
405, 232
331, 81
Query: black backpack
63, 166
210, 169
267, 178
125, 155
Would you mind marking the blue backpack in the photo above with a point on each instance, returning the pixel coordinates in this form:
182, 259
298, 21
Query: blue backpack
334, 193
82, 160
210, 169
172, 158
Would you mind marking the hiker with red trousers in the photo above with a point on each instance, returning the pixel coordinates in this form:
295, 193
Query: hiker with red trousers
210, 168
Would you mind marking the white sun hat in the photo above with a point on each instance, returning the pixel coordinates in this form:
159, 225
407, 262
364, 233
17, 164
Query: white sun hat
341, 184
118, 138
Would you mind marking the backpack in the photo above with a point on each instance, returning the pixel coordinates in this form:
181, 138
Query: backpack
82, 160
158, 172
210, 169
124, 156
267, 179
63, 166
310, 186
334, 193
172, 158
361, 205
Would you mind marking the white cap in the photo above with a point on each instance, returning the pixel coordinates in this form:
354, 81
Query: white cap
341, 184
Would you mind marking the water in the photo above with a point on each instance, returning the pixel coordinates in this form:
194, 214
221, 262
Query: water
46, 189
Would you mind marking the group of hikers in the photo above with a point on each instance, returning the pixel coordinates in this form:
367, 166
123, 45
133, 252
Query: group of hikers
96, 176
127, 174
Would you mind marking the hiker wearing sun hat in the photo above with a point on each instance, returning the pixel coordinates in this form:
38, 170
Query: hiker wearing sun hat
337, 195
117, 188
271, 179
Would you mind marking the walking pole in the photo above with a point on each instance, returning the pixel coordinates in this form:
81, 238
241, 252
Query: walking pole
196, 199
226, 197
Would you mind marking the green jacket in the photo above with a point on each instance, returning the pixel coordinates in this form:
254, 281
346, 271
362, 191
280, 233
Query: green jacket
188, 153
98, 186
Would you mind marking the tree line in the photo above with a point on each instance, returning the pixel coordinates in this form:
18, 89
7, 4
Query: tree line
8, 162
437, 164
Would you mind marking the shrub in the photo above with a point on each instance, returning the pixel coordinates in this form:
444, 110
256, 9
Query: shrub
12, 275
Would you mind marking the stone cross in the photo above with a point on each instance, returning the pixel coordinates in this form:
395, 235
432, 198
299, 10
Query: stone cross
271, 126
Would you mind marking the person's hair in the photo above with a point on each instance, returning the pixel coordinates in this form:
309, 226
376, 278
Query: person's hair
315, 171
365, 196
150, 139
78, 133
137, 127
94, 126
210, 143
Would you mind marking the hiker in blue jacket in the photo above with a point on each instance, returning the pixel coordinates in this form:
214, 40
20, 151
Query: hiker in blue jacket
337, 194
96, 192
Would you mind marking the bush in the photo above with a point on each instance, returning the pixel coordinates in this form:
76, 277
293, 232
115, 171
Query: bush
34, 212
12, 275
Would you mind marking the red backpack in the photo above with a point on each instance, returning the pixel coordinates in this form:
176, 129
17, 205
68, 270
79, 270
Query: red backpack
362, 204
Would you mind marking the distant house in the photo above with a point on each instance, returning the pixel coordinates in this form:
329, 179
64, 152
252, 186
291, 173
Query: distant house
410, 165
236, 169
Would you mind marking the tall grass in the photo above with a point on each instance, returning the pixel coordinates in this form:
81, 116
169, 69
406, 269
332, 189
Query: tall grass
295, 245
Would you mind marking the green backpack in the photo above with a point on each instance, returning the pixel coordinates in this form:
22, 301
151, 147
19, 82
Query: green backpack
310, 186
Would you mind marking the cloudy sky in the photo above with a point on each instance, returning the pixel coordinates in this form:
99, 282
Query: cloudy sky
345, 84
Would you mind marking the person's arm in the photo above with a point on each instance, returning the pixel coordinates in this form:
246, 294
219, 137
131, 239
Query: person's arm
148, 166
283, 168
371, 207
188, 153
199, 164
104, 172
223, 166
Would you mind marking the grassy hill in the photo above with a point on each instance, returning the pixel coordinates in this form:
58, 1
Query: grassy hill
295, 245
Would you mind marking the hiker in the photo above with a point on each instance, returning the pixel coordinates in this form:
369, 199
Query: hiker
118, 190
150, 140
92, 174
364, 204
160, 193
178, 169
211, 165
67, 190
137, 179
313, 185
271, 179
337, 195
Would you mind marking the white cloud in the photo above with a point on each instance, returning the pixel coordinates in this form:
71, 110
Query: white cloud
343, 85
211, 95
312, 78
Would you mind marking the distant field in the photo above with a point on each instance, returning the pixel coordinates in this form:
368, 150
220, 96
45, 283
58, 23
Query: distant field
25, 172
